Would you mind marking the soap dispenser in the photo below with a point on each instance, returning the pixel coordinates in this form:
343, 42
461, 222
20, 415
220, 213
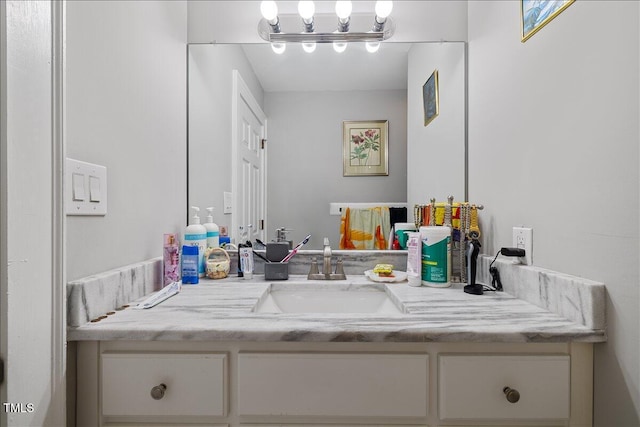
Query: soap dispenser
213, 232
196, 235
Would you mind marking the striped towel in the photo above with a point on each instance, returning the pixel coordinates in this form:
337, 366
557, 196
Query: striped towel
365, 228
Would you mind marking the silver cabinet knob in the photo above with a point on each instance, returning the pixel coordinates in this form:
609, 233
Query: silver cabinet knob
157, 392
512, 394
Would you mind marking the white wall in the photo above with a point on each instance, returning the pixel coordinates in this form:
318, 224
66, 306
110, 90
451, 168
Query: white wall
304, 156
553, 144
126, 109
436, 153
210, 96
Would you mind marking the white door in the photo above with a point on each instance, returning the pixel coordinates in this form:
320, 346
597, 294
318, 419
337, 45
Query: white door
249, 165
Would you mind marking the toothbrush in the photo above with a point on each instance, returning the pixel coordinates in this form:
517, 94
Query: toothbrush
261, 257
295, 250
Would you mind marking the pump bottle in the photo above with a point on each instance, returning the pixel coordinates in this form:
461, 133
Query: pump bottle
196, 235
213, 232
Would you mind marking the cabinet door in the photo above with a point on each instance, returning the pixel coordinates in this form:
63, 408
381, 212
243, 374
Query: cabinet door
474, 387
194, 384
332, 385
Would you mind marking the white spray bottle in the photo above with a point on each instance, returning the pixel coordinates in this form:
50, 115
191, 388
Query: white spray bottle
196, 235
213, 232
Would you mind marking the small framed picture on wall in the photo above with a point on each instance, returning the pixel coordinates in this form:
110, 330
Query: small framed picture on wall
431, 98
365, 148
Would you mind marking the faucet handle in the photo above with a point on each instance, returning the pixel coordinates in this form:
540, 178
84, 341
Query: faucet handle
339, 267
326, 241
314, 273
314, 266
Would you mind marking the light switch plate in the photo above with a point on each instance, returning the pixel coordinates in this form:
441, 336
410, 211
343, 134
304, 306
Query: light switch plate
228, 202
85, 188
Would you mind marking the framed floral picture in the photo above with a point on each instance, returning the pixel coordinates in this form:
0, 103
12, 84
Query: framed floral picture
535, 14
365, 148
431, 98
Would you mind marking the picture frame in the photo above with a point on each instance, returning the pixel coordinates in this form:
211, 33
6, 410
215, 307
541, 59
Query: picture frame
365, 148
431, 98
535, 14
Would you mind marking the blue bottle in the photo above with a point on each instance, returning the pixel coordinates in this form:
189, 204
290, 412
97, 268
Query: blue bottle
190, 258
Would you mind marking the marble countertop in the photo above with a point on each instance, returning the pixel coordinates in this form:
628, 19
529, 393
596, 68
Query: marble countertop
222, 310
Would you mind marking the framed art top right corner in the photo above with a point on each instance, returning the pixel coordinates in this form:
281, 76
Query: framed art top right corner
535, 14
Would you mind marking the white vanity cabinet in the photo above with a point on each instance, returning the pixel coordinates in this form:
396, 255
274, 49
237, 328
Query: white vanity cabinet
339, 384
499, 387
333, 384
168, 384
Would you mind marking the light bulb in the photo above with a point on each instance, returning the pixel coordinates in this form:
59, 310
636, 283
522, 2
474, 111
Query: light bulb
372, 47
383, 9
269, 10
339, 46
309, 47
343, 9
306, 9
278, 48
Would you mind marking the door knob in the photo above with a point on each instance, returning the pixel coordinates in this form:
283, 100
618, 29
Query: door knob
157, 392
512, 394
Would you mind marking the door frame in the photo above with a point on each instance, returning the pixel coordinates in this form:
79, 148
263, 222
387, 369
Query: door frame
240, 91
55, 255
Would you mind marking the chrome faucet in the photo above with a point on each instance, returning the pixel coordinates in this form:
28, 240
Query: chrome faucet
326, 274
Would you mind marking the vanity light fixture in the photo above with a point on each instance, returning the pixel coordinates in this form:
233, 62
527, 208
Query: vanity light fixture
307, 9
309, 47
339, 47
383, 10
343, 10
269, 10
383, 28
372, 47
278, 48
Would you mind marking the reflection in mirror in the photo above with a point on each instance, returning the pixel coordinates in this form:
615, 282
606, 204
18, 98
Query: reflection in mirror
306, 98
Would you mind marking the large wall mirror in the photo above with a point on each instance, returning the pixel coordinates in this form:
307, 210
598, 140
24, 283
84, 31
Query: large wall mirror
305, 97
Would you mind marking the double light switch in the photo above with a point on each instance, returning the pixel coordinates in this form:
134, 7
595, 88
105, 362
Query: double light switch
86, 188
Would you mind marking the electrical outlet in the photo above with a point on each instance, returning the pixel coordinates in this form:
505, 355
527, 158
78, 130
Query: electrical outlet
523, 238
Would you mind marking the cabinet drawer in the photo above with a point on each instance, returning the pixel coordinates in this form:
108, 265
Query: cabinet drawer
330, 384
473, 387
195, 384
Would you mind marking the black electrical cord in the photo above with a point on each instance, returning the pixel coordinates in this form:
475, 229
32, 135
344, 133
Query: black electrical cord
495, 275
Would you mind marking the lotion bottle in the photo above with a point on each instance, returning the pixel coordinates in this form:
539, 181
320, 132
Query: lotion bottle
196, 235
213, 232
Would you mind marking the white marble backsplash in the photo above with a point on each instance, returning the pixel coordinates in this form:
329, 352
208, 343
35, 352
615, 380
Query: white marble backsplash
93, 296
575, 298
354, 262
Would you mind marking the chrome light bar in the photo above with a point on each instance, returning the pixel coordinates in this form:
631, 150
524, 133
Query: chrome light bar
266, 32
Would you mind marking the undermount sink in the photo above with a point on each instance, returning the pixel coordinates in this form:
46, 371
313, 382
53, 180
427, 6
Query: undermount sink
334, 298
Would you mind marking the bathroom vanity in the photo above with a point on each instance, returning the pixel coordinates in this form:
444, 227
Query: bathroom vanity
213, 355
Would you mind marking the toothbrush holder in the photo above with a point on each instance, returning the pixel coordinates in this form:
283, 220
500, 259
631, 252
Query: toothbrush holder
276, 271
